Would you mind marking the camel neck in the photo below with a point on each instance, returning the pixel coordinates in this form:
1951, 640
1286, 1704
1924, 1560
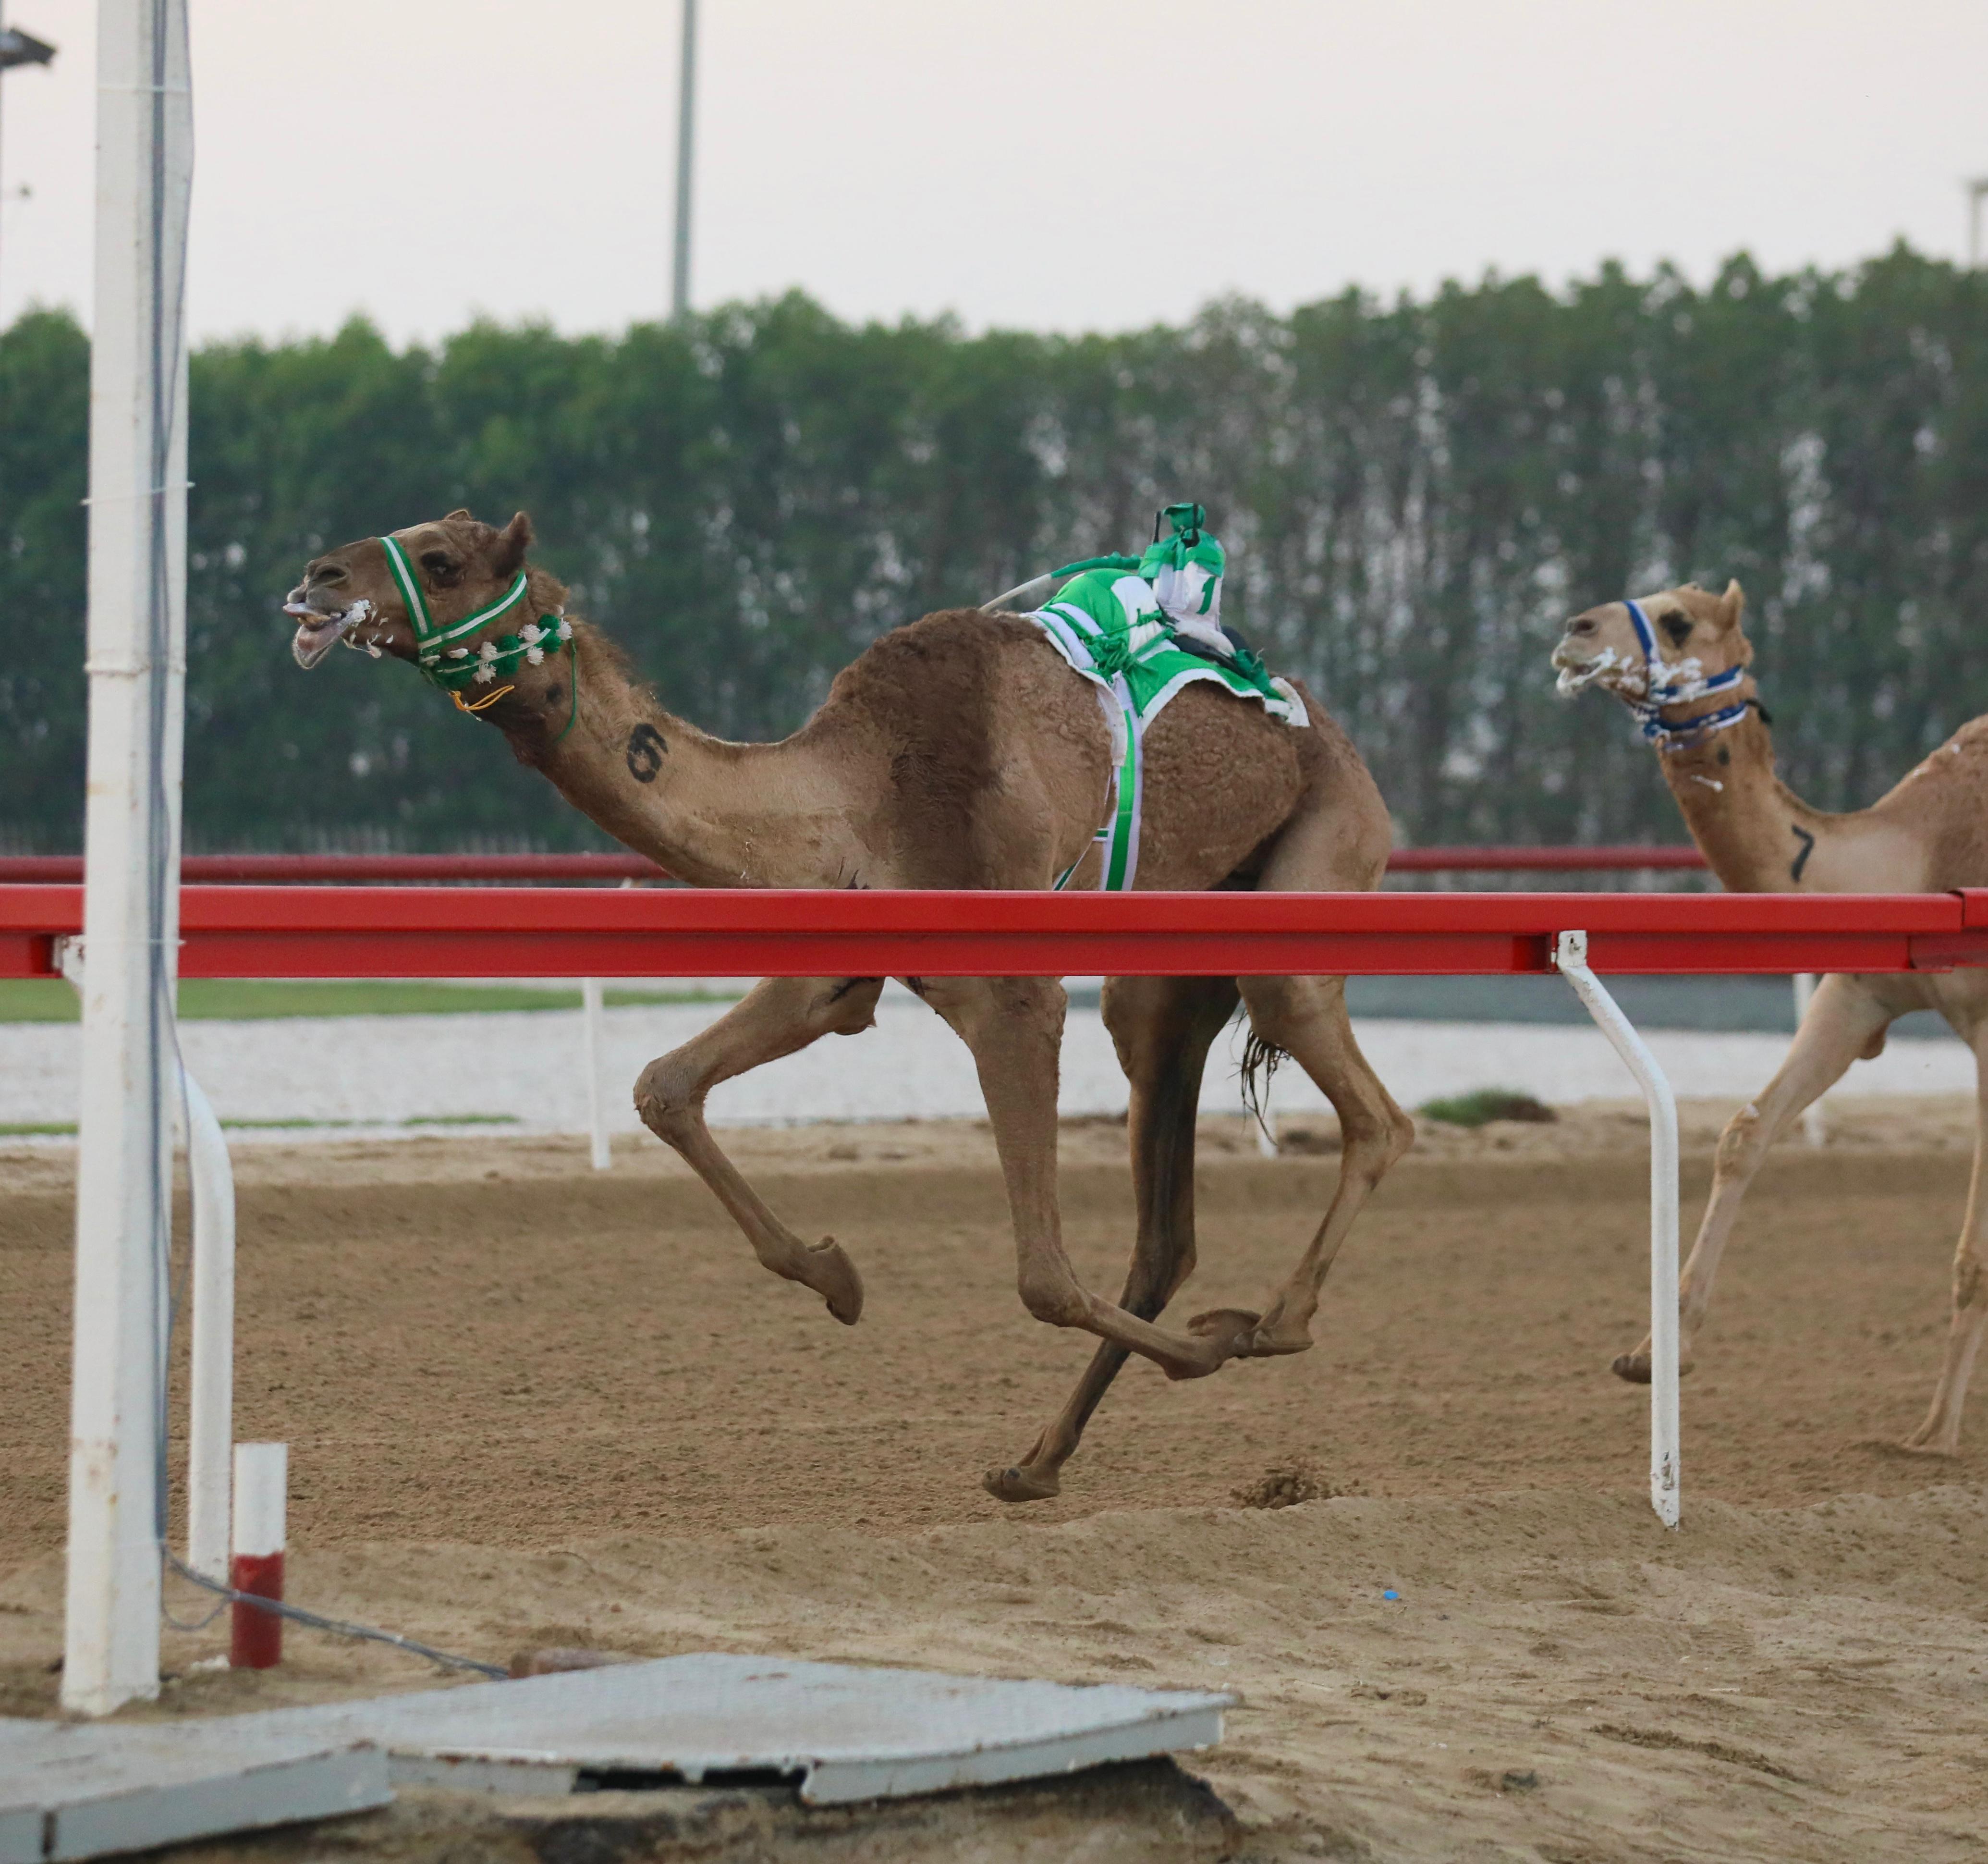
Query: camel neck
1756, 834
712, 813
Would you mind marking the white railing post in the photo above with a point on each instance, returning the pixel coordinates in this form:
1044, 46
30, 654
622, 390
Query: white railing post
597, 1104
210, 1409
1571, 956
1815, 1119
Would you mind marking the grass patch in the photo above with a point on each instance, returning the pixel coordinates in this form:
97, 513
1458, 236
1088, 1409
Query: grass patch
34, 999
419, 1119
1482, 1105
57, 1128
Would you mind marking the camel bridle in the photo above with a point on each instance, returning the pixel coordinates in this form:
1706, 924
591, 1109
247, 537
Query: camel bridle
456, 668
1666, 685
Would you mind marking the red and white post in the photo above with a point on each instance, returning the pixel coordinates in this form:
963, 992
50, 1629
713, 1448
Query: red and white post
261, 1490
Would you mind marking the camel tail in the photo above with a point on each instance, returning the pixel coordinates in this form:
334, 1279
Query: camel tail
1261, 1060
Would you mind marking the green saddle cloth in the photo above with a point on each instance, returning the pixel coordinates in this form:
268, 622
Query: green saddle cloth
1108, 625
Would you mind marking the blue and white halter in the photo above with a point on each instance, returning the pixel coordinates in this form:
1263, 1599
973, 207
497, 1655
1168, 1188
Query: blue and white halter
1666, 685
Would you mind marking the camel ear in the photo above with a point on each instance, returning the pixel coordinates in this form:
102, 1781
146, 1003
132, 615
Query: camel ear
460, 511
1731, 604
512, 542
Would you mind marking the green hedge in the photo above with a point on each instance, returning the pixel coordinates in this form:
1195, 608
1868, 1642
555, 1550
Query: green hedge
1415, 497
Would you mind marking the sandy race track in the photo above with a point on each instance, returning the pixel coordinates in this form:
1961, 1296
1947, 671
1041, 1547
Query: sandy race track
597, 1420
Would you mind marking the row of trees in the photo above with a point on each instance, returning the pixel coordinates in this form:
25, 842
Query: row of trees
1414, 496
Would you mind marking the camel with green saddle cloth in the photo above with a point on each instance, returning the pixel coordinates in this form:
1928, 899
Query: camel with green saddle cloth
968, 749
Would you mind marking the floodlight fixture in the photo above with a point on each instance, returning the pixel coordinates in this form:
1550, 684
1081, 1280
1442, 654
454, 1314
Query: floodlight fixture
19, 48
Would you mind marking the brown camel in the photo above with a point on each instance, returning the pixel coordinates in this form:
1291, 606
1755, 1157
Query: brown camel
1685, 673
959, 751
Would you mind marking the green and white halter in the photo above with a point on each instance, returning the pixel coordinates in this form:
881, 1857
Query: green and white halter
457, 669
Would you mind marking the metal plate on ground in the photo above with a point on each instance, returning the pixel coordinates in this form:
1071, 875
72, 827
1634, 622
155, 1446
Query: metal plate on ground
841, 1733
72, 1790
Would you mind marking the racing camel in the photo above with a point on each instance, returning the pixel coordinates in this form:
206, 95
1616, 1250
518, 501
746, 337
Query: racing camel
963, 750
1681, 662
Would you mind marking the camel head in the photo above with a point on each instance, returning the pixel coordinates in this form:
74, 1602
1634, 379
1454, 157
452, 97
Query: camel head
1689, 647
460, 569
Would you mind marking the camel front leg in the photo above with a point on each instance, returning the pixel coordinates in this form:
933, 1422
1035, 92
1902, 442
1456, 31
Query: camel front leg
1162, 1028
1939, 1436
1014, 1027
779, 1015
1845, 1021
1305, 1017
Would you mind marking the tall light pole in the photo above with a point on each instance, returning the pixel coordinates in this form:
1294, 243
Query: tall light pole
136, 668
686, 98
19, 48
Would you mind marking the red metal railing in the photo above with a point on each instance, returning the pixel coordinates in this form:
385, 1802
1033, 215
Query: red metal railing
545, 869
441, 932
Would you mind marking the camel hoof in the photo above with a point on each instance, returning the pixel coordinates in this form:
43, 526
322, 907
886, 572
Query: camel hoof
1915, 1446
1634, 1368
1223, 1334
1279, 1333
832, 1276
1019, 1483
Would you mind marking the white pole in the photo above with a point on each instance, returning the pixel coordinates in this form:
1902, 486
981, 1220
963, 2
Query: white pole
1815, 1117
211, 1419
137, 645
686, 103
1570, 954
597, 1104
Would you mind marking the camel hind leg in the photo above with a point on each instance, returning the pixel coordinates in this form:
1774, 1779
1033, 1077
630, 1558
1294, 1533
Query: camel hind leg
1305, 1018
1939, 1436
1162, 1028
1845, 1021
779, 1015
1337, 842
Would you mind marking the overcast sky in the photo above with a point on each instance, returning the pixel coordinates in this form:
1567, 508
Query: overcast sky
1047, 163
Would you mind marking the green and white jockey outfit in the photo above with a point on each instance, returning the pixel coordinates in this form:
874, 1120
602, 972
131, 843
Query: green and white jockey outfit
457, 669
1119, 622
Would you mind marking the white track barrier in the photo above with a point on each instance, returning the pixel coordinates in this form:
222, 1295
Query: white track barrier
597, 1101
1571, 955
211, 1419
1815, 1117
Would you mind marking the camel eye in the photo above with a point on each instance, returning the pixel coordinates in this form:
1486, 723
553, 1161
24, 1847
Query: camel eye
438, 564
1678, 628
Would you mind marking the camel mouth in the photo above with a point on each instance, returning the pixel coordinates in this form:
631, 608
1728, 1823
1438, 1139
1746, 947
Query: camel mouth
319, 632
1576, 676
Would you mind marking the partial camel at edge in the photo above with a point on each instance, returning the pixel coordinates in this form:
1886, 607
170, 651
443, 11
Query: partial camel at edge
1687, 675
959, 751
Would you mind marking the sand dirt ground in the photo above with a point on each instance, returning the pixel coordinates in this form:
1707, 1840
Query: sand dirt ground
528, 1405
